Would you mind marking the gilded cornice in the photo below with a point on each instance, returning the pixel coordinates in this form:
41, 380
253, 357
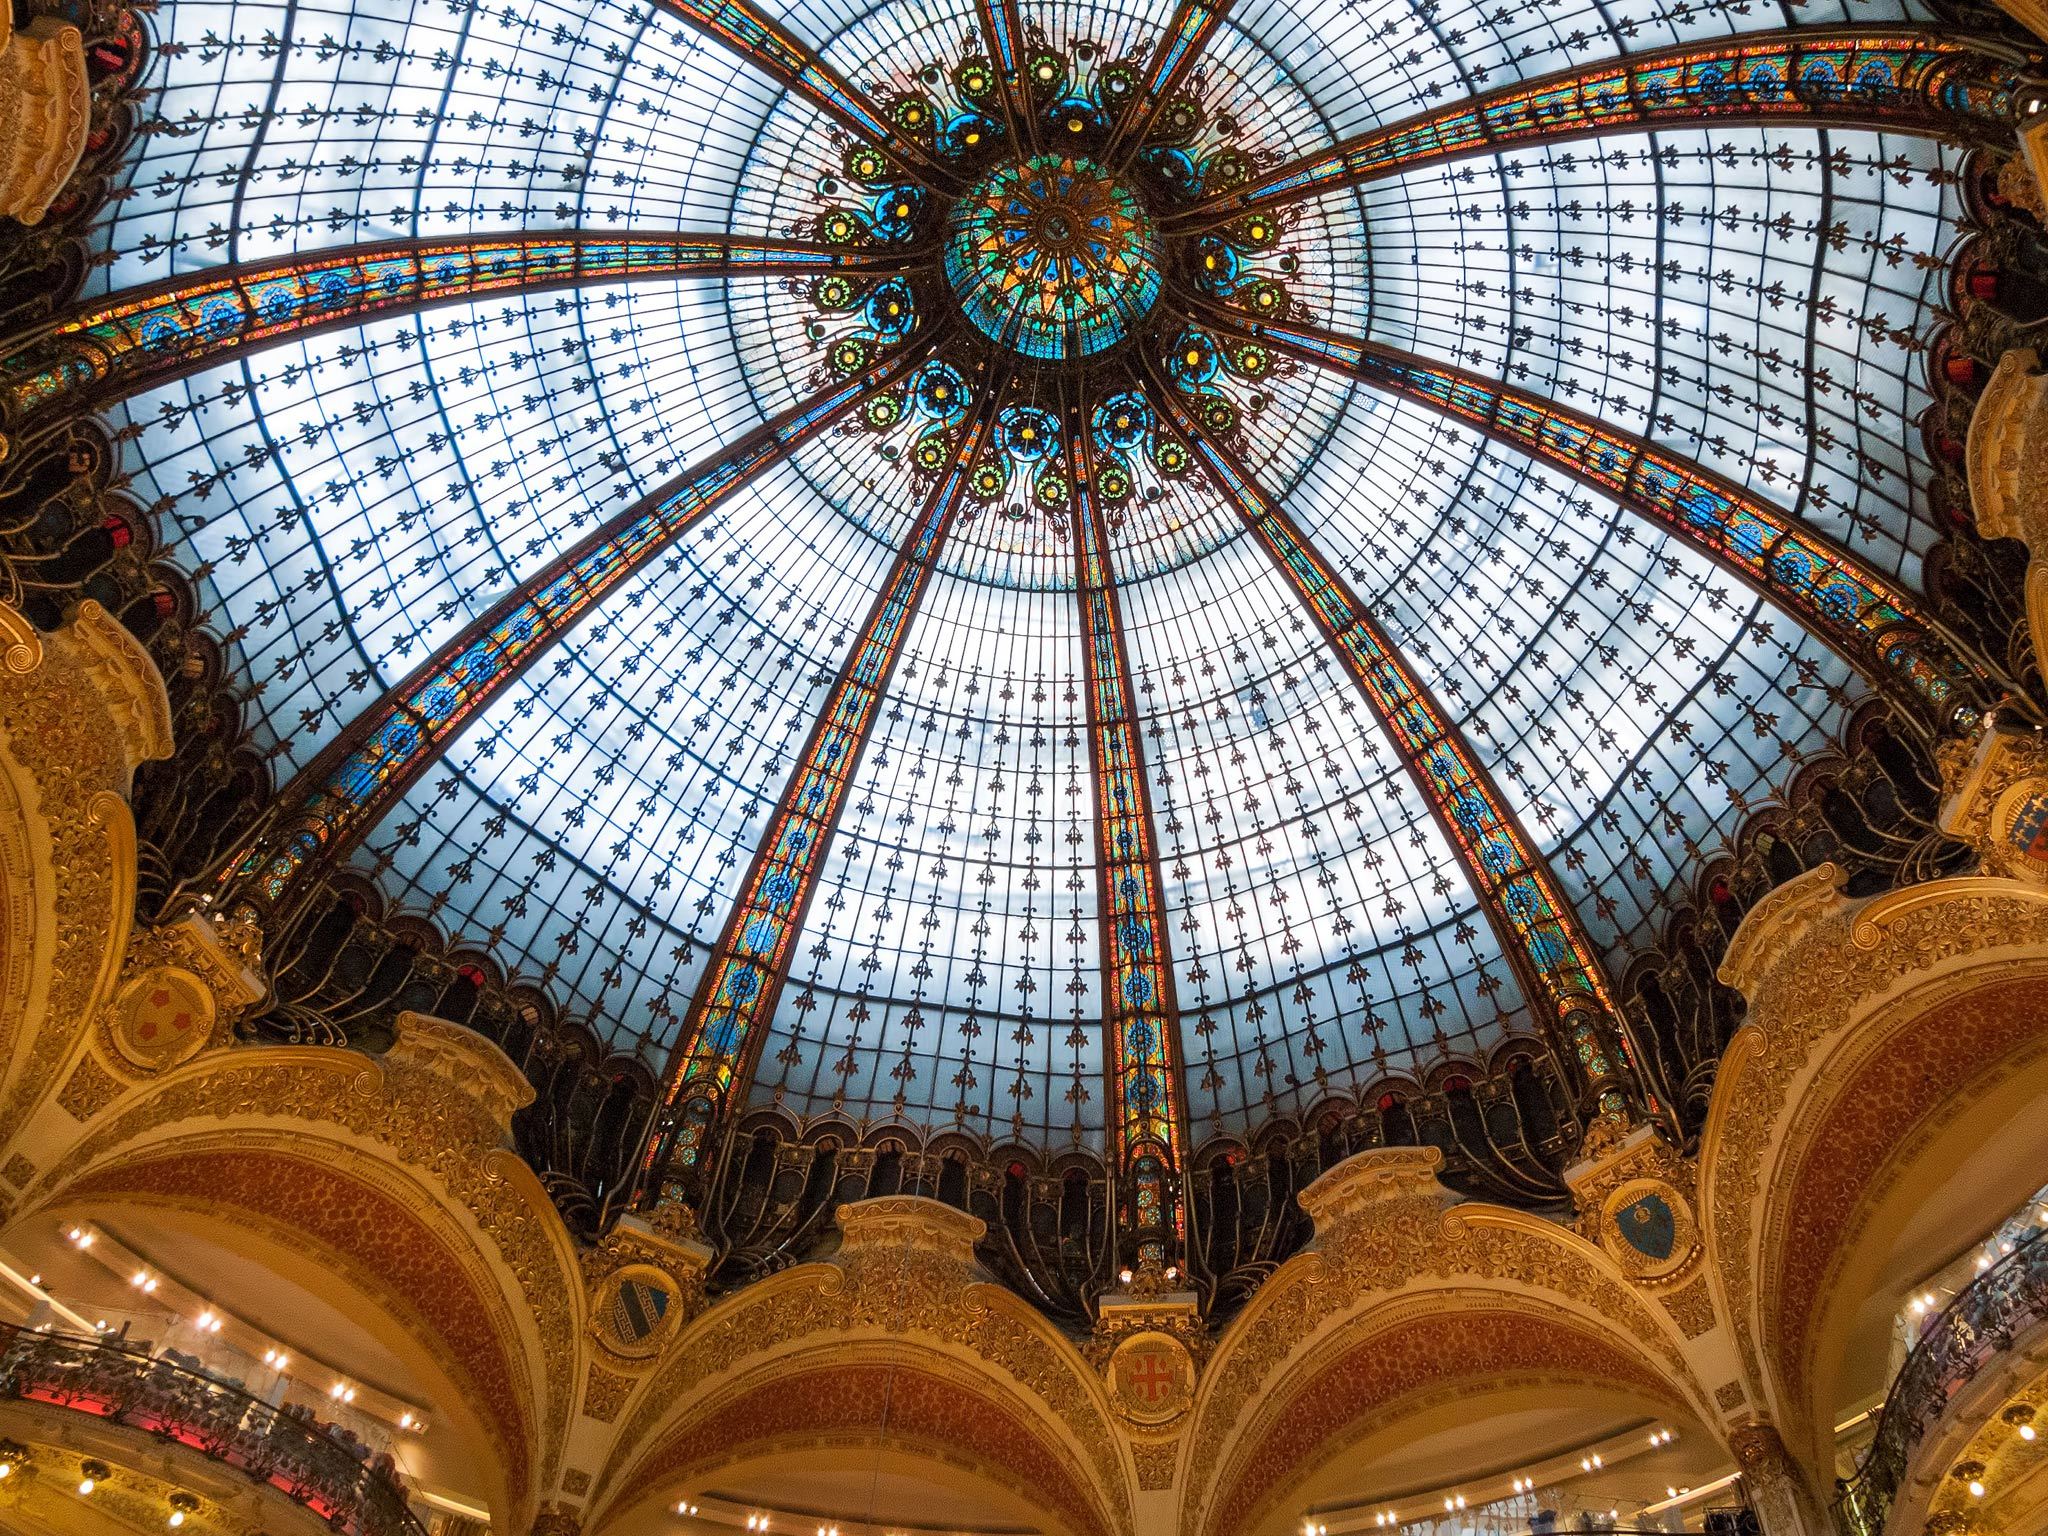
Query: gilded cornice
45, 112
838, 1392
75, 716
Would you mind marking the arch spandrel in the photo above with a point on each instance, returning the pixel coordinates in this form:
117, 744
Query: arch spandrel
80, 709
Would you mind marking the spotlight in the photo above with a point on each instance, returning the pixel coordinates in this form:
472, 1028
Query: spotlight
182, 1504
1976, 1489
91, 1474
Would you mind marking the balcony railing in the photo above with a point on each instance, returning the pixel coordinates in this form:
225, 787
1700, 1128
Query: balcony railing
1986, 1316
294, 1455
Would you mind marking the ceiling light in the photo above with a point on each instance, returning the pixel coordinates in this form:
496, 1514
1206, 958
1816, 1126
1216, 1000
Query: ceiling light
91, 1474
182, 1504
1976, 1489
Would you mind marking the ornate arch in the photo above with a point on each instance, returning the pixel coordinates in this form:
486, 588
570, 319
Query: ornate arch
395, 1175
1877, 1029
1406, 1295
903, 1295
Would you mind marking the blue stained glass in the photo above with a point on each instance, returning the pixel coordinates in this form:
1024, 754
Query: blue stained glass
348, 502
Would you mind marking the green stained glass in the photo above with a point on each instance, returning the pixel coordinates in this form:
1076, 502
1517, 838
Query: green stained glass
1053, 256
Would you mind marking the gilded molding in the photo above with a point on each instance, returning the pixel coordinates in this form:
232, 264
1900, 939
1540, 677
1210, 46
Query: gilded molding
462, 1063
1385, 1224
2006, 451
73, 727
923, 1283
45, 111
130, 687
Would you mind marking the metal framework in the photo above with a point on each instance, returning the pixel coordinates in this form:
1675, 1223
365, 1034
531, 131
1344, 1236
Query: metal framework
1877, 627
346, 789
794, 64
1147, 1110
1901, 80
720, 1042
1538, 928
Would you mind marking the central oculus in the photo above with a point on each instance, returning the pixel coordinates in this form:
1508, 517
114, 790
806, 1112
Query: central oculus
1053, 257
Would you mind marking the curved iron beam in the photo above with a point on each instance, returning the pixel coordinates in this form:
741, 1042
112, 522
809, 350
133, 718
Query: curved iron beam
1896, 79
150, 336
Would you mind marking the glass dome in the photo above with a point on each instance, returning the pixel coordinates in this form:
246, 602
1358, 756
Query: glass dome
1133, 548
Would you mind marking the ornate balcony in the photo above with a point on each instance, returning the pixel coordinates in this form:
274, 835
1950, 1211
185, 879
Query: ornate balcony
2007, 1301
300, 1458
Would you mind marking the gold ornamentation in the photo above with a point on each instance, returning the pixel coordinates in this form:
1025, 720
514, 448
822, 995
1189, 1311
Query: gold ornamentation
19, 1171
21, 647
909, 1223
604, 1393
465, 1062
160, 1018
1730, 1396
1384, 1220
420, 1105
1151, 1377
576, 1481
2006, 451
1155, 1460
45, 110
905, 1266
90, 1089
1692, 1306
644, 1286
54, 723
1647, 1227
1864, 950
557, 1519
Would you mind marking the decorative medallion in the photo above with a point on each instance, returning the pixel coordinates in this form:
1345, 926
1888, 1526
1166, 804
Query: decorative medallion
635, 1310
1648, 1226
161, 1018
1053, 257
1070, 256
1151, 1378
2020, 825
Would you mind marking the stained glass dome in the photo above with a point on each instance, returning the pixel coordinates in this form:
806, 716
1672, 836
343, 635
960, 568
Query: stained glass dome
1075, 575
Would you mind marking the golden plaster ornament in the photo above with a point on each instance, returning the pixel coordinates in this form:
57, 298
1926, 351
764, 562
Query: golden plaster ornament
45, 112
1806, 929
1648, 1228
1151, 1377
1995, 798
1155, 1462
161, 1018
604, 1393
644, 1286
